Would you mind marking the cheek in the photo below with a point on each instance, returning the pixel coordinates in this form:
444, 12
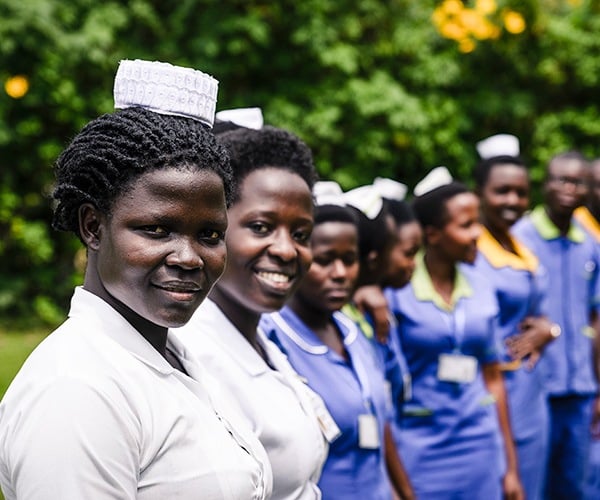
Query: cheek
305, 257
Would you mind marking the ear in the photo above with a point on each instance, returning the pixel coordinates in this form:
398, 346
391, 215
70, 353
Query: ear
371, 260
90, 224
431, 235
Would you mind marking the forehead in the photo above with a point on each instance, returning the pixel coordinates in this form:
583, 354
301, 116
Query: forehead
273, 185
567, 166
460, 204
334, 231
507, 173
172, 187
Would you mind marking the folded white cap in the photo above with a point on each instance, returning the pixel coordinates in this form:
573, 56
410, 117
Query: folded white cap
328, 193
366, 199
244, 117
166, 89
390, 189
498, 145
439, 176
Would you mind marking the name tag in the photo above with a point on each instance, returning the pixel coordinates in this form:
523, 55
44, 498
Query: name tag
368, 431
457, 368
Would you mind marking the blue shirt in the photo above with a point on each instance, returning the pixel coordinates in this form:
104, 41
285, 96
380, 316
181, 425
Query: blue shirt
349, 388
450, 438
573, 295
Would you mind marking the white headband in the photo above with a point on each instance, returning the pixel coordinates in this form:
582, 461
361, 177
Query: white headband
244, 117
498, 145
439, 176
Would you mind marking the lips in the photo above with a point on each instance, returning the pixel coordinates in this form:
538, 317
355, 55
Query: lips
277, 281
181, 290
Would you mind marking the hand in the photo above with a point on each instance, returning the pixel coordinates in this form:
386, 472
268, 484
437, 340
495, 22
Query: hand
370, 299
511, 486
535, 335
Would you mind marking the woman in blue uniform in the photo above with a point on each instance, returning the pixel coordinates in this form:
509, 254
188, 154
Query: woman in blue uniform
503, 187
327, 348
453, 425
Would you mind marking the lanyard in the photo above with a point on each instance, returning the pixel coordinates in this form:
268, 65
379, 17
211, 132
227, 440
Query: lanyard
455, 322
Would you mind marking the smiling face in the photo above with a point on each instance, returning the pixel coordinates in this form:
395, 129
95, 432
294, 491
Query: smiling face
162, 247
331, 278
268, 244
401, 265
504, 196
457, 239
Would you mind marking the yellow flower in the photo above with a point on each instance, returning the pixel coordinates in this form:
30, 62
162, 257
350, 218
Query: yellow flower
452, 7
16, 86
486, 6
453, 30
466, 45
514, 22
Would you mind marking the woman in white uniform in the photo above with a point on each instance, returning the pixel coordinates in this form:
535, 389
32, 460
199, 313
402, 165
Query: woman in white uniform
111, 405
268, 253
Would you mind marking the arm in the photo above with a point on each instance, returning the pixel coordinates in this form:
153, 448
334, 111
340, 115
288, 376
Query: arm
370, 299
74, 444
536, 333
495, 385
395, 468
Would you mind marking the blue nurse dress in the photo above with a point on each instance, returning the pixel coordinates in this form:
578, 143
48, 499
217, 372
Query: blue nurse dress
521, 286
349, 388
450, 438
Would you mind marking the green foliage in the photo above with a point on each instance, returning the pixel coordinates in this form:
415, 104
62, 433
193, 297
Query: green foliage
372, 86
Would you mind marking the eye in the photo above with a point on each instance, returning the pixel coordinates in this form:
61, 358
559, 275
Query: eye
212, 236
302, 237
155, 230
259, 228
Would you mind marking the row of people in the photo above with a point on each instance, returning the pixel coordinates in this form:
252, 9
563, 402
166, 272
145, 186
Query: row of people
169, 378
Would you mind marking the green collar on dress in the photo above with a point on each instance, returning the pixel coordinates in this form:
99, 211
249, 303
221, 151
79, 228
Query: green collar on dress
548, 229
424, 290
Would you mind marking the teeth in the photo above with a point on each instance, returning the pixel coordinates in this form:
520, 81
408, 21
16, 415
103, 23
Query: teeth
276, 277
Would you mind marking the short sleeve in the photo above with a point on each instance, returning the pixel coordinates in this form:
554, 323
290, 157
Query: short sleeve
73, 442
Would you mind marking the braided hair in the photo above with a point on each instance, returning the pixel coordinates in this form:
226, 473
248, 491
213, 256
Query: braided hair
113, 150
251, 150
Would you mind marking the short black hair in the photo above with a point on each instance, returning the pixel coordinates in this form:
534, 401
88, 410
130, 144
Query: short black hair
251, 150
430, 208
401, 211
114, 149
485, 166
335, 213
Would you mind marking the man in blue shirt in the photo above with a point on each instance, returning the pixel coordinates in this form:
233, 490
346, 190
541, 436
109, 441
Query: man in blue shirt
571, 258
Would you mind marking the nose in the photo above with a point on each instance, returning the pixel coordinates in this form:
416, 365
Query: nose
338, 269
283, 246
512, 198
185, 254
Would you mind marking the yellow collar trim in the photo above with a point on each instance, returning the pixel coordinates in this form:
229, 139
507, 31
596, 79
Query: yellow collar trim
588, 221
499, 257
425, 291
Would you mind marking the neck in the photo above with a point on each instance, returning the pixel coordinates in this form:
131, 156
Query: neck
501, 235
156, 335
561, 221
315, 319
442, 273
245, 321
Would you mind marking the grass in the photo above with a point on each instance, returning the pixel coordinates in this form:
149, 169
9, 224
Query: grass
15, 346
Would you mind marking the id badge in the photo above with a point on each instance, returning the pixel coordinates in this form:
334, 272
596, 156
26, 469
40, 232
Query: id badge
368, 431
457, 368
329, 428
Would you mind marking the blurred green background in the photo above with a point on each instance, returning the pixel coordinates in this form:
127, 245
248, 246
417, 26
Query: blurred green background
376, 88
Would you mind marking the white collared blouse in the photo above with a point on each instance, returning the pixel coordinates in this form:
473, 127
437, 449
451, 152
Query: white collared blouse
96, 412
276, 401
